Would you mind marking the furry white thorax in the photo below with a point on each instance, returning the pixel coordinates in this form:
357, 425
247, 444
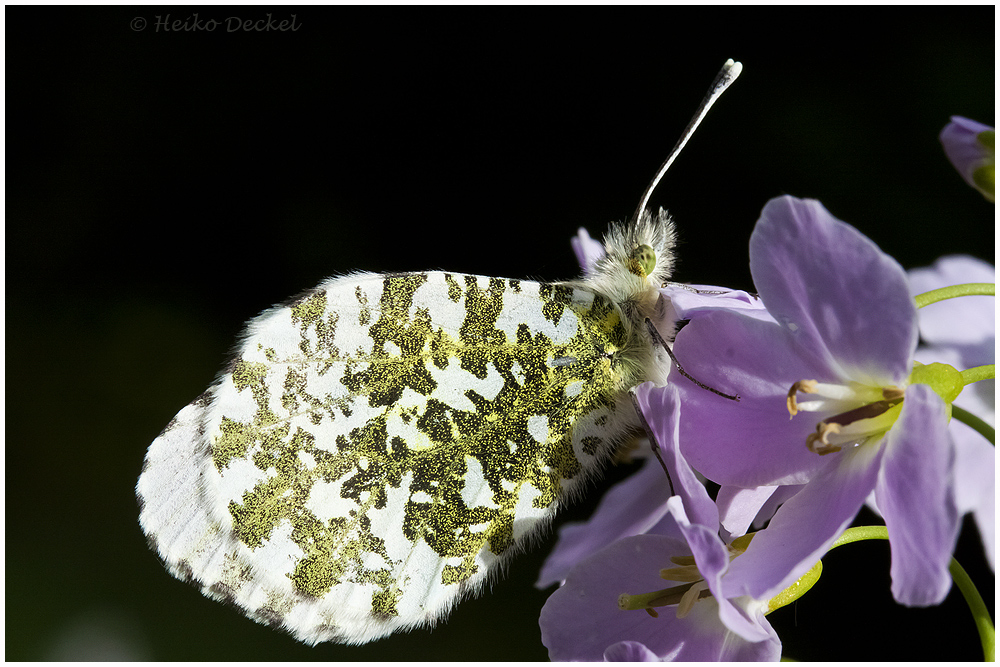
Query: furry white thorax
621, 278
615, 276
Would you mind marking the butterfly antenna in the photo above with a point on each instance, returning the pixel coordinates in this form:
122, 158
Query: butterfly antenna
726, 76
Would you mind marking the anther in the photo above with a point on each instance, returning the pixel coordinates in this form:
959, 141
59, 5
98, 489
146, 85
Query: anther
823, 431
806, 387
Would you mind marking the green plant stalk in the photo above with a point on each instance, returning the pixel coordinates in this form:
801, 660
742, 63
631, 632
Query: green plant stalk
974, 422
987, 372
980, 613
967, 289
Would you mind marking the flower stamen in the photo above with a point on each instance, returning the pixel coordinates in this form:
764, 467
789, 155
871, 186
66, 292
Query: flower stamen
859, 411
686, 573
692, 595
893, 393
806, 387
664, 598
854, 426
685, 595
823, 431
830, 397
869, 411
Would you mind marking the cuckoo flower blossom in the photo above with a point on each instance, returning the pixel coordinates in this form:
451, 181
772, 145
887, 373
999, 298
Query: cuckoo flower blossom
970, 146
829, 400
589, 618
615, 566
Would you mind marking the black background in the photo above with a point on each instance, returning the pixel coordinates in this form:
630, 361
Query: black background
163, 187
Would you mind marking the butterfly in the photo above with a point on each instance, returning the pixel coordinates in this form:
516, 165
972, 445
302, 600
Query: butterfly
382, 444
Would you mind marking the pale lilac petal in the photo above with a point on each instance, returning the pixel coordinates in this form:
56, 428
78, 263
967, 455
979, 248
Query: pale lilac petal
661, 408
587, 250
738, 506
768, 650
975, 457
804, 527
707, 639
581, 619
967, 320
777, 499
961, 145
688, 301
916, 496
629, 652
751, 442
975, 485
842, 298
630, 507
712, 558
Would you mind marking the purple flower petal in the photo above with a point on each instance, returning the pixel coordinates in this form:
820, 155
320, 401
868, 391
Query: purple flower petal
661, 408
738, 506
712, 558
629, 652
803, 528
587, 250
706, 638
916, 497
966, 321
630, 507
975, 488
751, 442
688, 301
777, 499
842, 298
581, 620
975, 480
960, 332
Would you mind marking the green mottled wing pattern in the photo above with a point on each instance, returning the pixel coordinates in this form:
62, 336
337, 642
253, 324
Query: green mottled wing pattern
380, 444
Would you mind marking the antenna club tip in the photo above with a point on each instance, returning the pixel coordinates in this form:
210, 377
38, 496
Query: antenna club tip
733, 68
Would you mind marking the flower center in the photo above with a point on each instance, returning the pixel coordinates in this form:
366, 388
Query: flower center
859, 412
684, 596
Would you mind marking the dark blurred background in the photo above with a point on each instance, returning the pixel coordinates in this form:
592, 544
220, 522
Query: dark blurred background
163, 187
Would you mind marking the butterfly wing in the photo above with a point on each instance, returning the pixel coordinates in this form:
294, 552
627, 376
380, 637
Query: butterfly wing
379, 445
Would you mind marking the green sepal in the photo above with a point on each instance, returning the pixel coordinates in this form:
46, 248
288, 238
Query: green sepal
945, 380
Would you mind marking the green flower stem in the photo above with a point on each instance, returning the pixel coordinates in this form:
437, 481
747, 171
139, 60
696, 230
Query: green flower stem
970, 375
975, 423
859, 533
980, 614
967, 289
987, 372
796, 590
